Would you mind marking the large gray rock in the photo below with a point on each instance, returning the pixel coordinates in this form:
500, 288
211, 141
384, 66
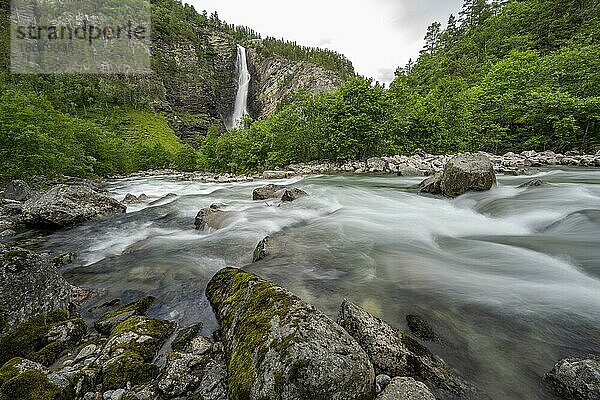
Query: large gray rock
29, 285
396, 353
278, 347
65, 205
576, 378
466, 173
463, 173
213, 217
270, 191
404, 388
293, 194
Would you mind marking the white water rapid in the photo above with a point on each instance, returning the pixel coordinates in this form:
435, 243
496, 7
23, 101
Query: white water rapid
241, 98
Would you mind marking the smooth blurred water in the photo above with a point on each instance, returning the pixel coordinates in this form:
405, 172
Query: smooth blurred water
508, 278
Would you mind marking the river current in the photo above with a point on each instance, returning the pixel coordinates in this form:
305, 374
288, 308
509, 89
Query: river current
509, 279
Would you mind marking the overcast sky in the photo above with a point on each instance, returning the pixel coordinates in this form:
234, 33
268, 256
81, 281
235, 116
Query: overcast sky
376, 35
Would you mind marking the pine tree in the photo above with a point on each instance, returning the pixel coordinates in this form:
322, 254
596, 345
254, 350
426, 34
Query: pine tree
432, 38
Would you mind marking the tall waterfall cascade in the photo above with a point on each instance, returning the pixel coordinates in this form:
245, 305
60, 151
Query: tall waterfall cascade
241, 99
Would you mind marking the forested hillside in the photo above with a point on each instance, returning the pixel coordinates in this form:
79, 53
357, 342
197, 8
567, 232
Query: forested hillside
503, 76
100, 124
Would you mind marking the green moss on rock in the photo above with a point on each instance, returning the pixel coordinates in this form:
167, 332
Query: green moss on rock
18, 381
128, 367
108, 321
30, 337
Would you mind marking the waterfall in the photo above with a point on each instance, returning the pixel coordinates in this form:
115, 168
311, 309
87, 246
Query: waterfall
241, 98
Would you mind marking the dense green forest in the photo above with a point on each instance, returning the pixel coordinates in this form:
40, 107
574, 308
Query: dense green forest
501, 76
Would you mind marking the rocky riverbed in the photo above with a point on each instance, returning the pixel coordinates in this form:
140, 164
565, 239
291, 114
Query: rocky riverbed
360, 287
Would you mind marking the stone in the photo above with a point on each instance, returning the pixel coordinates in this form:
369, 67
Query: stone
405, 388
210, 217
130, 199
17, 190
26, 380
65, 205
376, 164
293, 194
62, 259
185, 336
467, 173
268, 192
381, 381
576, 378
396, 353
532, 183
432, 185
277, 346
109, 320
183, 374
420, 328
29, 285
262, 250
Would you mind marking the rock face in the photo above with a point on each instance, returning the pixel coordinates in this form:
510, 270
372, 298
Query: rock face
65, 205
395, 353
29, 285
278, 347
464, 173
576, 378
402, 388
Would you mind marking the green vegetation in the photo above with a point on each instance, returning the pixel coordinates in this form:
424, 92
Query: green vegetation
514, 76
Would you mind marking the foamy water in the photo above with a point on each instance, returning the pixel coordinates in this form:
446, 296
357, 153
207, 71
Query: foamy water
509, 278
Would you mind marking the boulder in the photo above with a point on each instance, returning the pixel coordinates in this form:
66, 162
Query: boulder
29, 285
463, 173
396, 353
185, 336
65, 205
26, 380
467, 172
17, 190
278, 347
270, 191
404, 388
576, 378
62, 259
211, 217
262, 250
292, 194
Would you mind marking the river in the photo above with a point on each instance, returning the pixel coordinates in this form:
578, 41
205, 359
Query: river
509, 279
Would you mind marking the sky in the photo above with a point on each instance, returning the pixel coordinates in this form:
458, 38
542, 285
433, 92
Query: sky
376, 35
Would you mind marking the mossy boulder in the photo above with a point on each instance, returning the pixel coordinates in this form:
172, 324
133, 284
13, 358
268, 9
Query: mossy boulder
132, 346
29, 285
26, 380
277, 346
43, 338
396, 353
109, 320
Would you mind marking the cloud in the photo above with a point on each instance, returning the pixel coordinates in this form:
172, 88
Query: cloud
376, 35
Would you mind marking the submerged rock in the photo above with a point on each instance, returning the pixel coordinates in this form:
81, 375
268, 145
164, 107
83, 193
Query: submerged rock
420, 328
278, 347
576, 378
65, 205
532, 183
262, 250
404, 388
29, 285
109, 320
396, 353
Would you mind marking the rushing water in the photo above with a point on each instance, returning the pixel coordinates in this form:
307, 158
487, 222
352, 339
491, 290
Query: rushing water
508, 278
240, 108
